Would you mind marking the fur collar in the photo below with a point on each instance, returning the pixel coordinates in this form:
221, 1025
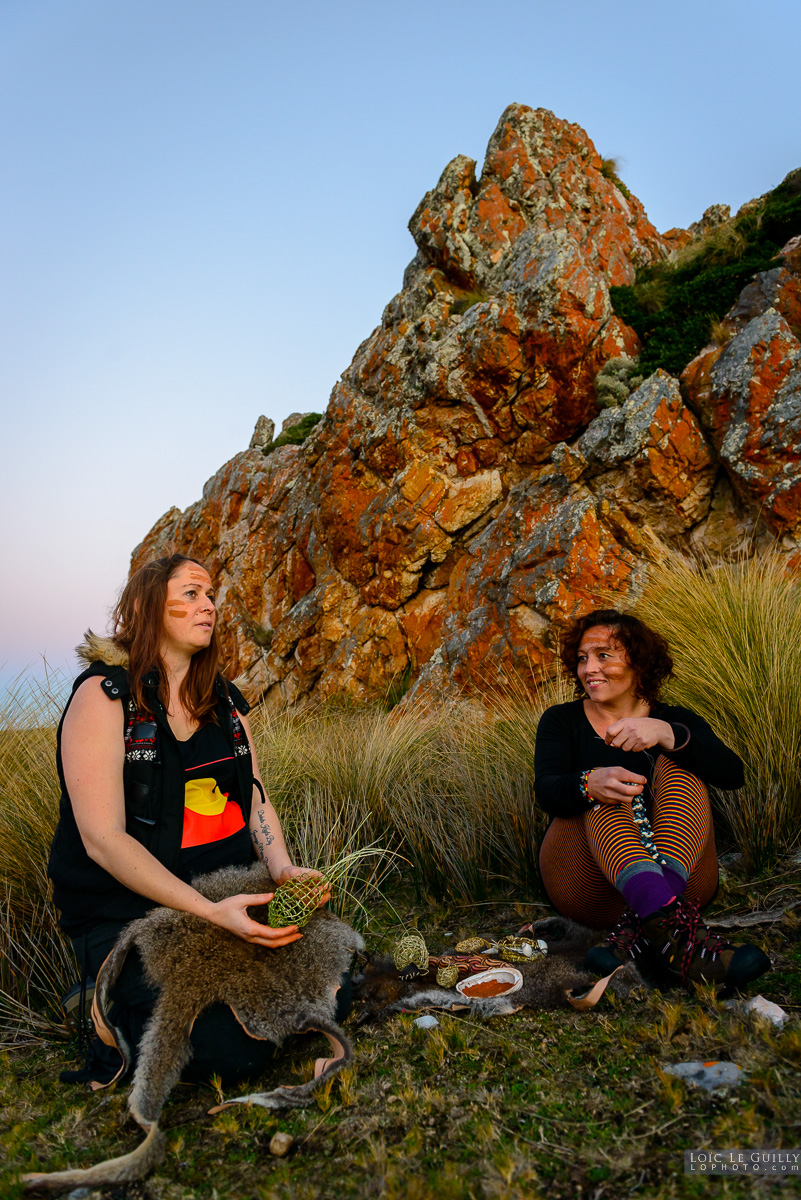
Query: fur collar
101, 649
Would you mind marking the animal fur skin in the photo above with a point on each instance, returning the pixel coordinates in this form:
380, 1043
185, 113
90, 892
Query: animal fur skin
546, 983
273, 993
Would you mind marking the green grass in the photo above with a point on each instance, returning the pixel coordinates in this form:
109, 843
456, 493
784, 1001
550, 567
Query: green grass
534, 1105
468, 300
671, 304
296, 434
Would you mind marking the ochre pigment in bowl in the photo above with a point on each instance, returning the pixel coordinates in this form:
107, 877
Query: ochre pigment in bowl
488, 987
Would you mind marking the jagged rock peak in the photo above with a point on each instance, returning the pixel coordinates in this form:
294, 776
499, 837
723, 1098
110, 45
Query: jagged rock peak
464, 492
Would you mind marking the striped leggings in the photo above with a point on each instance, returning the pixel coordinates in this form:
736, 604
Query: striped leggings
581, 857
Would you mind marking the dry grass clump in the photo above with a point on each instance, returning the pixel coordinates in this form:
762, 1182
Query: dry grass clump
724, 243
720, 334
36, 962
450, 788
735, 632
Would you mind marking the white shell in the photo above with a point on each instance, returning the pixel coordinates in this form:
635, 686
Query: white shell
427, 1021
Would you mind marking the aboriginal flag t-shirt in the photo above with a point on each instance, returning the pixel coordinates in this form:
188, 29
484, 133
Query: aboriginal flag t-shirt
215, 831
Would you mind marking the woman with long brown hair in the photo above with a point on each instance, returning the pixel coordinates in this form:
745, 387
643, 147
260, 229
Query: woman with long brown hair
159, 784
624, 779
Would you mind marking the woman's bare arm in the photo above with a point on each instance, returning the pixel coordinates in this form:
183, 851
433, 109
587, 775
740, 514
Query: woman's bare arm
266, 832
265, 828
92, 751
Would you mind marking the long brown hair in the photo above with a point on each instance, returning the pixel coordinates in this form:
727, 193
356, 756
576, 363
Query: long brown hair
138, 627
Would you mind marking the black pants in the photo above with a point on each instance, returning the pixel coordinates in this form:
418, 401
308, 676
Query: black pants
220, 1045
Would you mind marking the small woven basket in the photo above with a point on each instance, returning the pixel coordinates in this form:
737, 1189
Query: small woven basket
519, 950
294, 902
473, 945
448, 975
410, 950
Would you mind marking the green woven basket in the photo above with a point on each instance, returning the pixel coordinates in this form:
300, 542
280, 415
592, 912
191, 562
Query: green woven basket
294, 902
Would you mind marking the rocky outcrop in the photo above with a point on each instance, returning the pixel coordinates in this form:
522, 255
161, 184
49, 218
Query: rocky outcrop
747, 393
463, 493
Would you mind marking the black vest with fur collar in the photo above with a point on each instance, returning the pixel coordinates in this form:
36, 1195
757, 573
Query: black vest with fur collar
153, 785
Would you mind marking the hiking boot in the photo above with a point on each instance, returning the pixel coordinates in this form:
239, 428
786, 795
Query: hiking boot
680, 941
625, 944
71, 1005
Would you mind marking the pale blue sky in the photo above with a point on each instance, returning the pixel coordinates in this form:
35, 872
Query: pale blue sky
204, 212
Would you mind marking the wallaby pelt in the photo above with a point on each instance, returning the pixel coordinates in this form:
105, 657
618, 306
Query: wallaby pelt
194, 964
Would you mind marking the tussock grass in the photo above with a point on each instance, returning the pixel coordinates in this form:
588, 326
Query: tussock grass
36, 962
735, 632
446, 792
610, 169
449, 788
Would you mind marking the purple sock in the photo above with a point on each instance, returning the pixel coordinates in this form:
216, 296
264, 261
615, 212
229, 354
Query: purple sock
646, 890
677, 882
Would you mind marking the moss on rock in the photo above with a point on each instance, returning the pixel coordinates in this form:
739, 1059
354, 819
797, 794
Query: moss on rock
296, 434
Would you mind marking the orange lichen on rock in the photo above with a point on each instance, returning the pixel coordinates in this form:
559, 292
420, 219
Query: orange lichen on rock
463, 493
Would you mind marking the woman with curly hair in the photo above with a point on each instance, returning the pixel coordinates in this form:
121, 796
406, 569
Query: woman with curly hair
624, 779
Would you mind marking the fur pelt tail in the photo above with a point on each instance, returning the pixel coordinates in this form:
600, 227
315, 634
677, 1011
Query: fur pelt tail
135, 1165
298, 1096
107, 976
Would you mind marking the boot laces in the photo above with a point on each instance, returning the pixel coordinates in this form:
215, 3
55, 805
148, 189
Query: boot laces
687, 924
626, 935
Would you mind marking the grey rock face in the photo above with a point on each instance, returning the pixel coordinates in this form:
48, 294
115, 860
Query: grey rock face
263, 434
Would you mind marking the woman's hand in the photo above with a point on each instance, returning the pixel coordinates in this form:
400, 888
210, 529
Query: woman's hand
291, 872
640, 733
231, 914
614, 785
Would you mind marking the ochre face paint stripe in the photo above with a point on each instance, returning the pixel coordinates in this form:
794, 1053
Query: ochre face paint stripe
177, 610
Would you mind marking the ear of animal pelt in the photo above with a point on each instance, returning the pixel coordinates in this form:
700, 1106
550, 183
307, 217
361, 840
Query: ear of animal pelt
299, 1096
135, 1165
625, 980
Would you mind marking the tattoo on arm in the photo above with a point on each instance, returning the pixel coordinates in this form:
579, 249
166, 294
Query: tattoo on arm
269, 837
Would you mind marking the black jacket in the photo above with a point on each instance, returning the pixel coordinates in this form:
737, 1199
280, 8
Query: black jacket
153, 784
567, 745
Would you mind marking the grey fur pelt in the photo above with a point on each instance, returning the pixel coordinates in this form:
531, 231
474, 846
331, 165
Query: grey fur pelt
273, 993
546, 982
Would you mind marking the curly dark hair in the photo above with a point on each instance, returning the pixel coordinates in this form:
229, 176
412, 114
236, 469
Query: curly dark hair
647, 652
